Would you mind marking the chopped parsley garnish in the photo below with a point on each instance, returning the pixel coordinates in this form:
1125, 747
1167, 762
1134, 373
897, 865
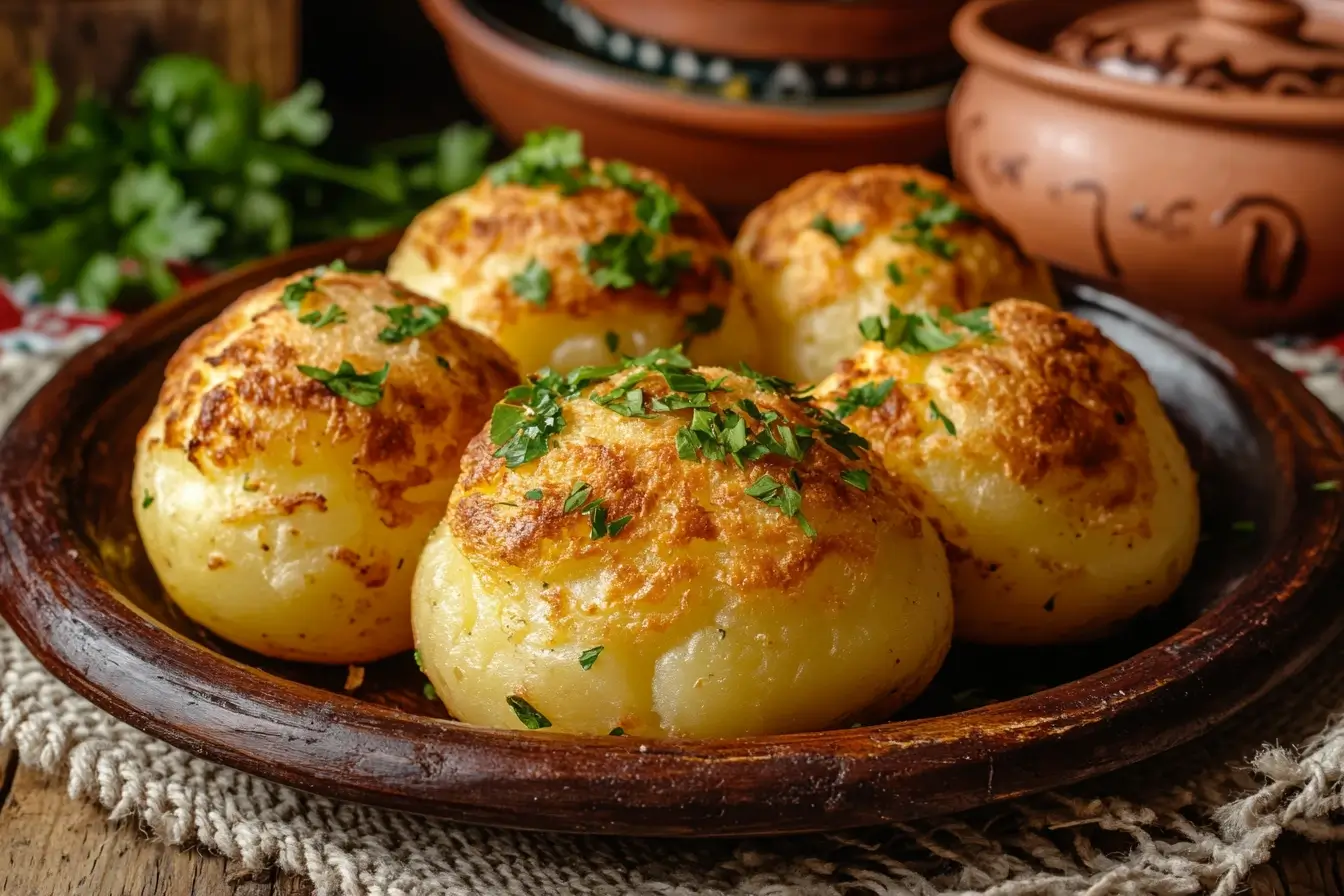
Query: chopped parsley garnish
857, 478
1328, 485
725, 267
532, 284
976, 320
766, 382
409, 321
429, 692
868, 395
1243, 526
894, 273
841, 233
612, 340
618, 731
773, 493
147, 500
655, 206
589, 656
622, 260
922, 229
919, 334
706, 321
334, 314
553, 156
294, 294
442, 362
523, 423
526, 713
936, 414
595, 510
419, 663
533, 494
363, 389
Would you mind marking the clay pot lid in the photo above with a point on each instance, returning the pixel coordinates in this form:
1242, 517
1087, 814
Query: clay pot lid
1245, 47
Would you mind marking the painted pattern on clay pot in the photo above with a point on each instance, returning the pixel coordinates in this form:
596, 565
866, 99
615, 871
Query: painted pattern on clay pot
1220, 202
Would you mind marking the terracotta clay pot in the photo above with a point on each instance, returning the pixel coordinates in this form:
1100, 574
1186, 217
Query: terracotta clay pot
732, 155
1191, 157
802, 29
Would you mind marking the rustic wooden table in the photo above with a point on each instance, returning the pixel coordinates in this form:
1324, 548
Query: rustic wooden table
51, 845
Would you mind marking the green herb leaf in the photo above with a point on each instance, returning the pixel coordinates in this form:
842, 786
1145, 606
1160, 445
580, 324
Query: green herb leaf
623, 260
894, 273
589, 656
841, 233
419, 663
773, 493
530, 717
1243, 526
429, 692
706, 321
936, 414
725, 267
533, 283
409, 321
550, 157
617, 732
363, 389
578, 496
857, 478
442, 362
334, 314
868, 395
295, 292
612, 341
147, 500
533, 494
1328, 485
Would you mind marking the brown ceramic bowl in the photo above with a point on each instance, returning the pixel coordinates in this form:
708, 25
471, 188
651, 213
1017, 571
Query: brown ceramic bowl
1221, 204
805, 29
732, 155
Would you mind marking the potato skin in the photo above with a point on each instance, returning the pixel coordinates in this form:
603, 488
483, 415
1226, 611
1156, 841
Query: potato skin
1065, 498
717, 615
285, 518
810, 292
464, 250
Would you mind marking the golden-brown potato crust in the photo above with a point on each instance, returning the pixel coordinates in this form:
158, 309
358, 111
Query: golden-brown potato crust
234, 386
810, 290
717, 613
1062, 493
671, 500
287, 518
465, 249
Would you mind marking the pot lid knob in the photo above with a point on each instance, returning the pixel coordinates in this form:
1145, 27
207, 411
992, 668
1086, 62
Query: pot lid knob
1280, 17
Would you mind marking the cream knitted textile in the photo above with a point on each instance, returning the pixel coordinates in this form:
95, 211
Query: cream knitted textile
1197, 818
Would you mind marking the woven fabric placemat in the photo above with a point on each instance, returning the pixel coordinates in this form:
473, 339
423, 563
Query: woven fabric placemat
1196, 818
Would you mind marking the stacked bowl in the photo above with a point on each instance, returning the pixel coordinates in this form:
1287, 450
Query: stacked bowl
736, 98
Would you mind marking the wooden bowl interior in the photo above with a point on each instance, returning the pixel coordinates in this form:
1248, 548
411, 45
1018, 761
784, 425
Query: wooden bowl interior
1230, 448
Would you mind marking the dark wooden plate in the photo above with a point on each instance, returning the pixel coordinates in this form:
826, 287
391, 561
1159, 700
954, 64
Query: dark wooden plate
1258, 605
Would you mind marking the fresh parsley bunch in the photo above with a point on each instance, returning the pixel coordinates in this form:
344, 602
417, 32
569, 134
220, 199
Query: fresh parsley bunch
197, 168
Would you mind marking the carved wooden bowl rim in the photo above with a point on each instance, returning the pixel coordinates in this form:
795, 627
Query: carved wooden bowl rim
63, 608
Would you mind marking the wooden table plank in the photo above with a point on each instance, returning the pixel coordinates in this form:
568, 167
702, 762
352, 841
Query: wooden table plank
51, 845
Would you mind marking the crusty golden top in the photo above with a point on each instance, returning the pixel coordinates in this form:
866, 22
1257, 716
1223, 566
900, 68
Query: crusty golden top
1046, 398
234, 387
688, 513
886, 203
489, 232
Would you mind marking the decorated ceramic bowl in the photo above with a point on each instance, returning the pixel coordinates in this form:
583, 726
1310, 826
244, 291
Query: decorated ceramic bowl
1189, 154
732, 154
739, 77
